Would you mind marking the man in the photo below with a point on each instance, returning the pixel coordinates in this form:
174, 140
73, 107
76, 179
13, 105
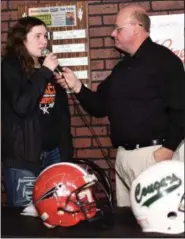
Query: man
143, 98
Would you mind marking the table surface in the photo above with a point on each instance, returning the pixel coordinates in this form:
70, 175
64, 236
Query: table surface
15, 225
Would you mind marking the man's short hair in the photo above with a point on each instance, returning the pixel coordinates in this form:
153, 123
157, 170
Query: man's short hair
142, 18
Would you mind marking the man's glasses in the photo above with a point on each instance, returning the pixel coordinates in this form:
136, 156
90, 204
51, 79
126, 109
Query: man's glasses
118, 29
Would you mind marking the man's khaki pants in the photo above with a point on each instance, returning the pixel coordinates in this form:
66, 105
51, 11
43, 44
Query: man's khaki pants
129, 164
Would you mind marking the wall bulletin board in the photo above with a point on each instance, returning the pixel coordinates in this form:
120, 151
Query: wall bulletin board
67, 24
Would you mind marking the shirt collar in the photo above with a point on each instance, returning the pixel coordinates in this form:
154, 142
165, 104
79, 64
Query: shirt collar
143, 49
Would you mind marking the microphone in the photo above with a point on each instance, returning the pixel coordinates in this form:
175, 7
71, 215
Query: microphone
44, 53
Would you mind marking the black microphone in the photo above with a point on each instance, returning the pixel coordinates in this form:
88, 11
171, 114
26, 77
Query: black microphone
44, 53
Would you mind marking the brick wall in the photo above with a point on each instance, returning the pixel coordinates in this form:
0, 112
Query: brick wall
103, 58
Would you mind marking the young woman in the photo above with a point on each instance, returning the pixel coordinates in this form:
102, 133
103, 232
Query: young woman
35, 112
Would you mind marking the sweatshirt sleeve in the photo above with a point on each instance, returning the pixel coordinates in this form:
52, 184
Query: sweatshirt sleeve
66, 141
23, 94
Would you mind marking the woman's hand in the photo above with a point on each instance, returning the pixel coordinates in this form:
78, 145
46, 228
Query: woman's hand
51, 61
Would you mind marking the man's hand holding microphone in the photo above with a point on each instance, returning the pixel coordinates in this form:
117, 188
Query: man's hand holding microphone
68, 80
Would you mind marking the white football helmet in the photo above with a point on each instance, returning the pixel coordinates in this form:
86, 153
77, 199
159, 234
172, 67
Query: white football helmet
157, 198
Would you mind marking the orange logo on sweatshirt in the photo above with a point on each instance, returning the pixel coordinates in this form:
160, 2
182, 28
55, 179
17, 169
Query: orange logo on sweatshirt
48, 99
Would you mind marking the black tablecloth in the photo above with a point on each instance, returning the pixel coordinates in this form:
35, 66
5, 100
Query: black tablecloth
15, 225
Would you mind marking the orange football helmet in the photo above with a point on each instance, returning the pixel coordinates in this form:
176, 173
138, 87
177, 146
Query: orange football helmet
63, 194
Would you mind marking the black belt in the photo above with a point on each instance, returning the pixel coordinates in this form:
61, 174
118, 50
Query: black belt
153, 142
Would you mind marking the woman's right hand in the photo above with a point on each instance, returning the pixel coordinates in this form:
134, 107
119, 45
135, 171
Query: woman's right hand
51, 61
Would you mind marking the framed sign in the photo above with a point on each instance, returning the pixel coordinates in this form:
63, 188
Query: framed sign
67, 24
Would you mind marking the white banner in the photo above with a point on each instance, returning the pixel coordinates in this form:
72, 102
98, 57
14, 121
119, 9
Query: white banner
168, 30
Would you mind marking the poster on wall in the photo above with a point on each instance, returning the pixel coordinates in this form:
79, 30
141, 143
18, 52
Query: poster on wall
168, 30
55, 16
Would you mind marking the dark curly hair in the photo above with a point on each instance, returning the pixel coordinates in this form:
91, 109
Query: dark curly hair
15, 41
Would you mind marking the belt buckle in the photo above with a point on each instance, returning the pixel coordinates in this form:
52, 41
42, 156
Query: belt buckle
154, 141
